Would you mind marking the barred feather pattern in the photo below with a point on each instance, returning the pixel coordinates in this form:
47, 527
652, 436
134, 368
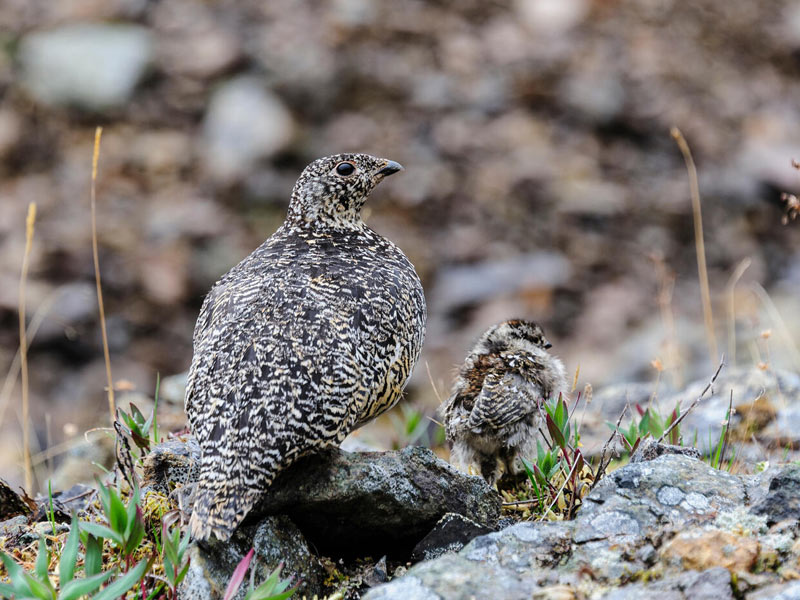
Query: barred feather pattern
311, 336
494, 411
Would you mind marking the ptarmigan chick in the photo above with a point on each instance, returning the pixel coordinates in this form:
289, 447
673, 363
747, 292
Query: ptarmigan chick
493, 413
311, 336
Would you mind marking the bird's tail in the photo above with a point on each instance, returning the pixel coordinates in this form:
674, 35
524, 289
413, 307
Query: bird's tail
219, 512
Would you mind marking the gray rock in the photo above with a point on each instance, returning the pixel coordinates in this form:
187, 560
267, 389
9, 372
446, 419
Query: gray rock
275, 539
783, 498
612, 538
375, 503
451, 534
712, 584
509, 564
90, 66
650, 449
641, 498
244, 124
464, 285
353, 504
781, 389
779, 591
13, 526
173, 388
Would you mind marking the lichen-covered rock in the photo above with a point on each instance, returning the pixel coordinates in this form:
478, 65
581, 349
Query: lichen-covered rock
451, 534
619, 534
275, 539
510, 564
783, 498
712, 584
641, 498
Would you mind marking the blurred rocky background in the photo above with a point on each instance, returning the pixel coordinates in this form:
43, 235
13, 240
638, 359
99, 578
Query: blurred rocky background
541, 180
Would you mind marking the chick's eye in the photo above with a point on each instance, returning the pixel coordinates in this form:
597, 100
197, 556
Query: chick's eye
345, 168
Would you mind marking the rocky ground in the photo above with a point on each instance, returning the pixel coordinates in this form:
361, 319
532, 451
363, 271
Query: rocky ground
541, 179
405, 525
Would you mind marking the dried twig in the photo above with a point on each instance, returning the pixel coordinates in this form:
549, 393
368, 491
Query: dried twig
601, 469
702, 271
110, 382
23, 347
694, 402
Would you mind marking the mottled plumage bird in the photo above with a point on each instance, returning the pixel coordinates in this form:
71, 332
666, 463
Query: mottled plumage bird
493, 412
311, 336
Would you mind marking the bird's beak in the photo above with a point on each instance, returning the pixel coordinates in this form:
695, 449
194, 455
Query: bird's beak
389, 168
547, 345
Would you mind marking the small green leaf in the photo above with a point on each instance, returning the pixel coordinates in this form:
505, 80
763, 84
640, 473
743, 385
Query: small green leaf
69, 554
42, 560
182, 574
117, 517
102, 531
121, 586
555, 432
14, 573
93, 558
81, 587
39, 589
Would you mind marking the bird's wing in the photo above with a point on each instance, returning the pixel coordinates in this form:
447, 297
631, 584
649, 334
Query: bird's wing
503, 400
268, 383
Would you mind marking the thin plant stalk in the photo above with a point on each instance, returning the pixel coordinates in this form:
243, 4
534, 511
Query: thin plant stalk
110, 382
697, 215
23, 348
730, 290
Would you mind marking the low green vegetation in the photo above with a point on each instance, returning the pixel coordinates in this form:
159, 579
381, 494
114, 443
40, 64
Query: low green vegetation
122, 545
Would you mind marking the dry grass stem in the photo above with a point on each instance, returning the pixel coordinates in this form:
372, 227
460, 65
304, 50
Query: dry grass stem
23, 348
666, 287
702, 271
694, 402
779, 324
433, 385
11, 376
110, 382
730, 290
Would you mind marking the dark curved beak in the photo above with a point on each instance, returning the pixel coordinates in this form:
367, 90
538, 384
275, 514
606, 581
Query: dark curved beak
389, 168
547, 345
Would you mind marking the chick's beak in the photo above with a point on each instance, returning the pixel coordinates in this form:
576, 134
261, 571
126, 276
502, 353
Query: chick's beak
389, 168
547, 345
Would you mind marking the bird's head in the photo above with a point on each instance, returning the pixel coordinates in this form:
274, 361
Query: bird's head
331, 191
514, 334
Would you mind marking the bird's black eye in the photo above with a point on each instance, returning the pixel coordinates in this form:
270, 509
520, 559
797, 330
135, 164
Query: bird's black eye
345, 168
